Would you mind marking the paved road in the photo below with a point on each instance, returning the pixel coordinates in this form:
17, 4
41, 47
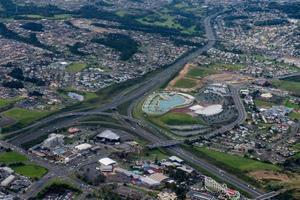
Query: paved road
148, 86
191, 158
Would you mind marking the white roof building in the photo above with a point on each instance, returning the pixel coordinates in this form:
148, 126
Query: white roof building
175, 159
7, 181
107, 161
108, 135
210, 110
82, 147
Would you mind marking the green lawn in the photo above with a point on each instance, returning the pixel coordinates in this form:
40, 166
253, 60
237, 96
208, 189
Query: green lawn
11, 157
30, 171
235, 162
296, 146
230, 67
294, 115
55, 17
200, 72
76, 67
289, 104
263, 103
4, 102
185, 83
24, 116
156, 153
291, 86
173, 118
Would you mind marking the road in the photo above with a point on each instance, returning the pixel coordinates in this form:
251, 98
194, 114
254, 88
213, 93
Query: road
65, 119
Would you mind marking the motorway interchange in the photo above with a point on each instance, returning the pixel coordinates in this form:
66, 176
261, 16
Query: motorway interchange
153, 136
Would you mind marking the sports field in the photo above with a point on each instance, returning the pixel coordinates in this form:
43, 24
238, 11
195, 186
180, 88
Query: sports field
30, 171
11, 157
20, 164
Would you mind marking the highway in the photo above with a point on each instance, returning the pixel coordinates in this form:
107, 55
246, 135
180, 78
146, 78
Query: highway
54, 122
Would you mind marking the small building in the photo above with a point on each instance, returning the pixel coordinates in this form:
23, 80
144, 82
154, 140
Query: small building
107, 161
108, 136
7, 181
159, 177
175, 159
52, 141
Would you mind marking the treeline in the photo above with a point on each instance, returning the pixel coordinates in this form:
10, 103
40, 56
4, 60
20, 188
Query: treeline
11, 10
292, 9
17, 73
31, 40
271, 22
32, 26
120, 42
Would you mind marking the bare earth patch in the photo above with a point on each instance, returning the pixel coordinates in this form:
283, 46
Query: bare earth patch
269, 175
182, 74
228, 78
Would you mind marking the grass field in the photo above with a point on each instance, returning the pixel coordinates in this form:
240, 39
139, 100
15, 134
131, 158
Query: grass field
235, 162
11, 157
156, 153
30, 171
294, 115
289, 104
200, 72
24, 116
297, 146
19, 163
76, 67
55, 17
173, 118
263, 103
291, 86
185, 83
230, 67
4, 102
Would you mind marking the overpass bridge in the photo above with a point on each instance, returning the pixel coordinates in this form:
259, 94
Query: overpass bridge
267, 196
164, 144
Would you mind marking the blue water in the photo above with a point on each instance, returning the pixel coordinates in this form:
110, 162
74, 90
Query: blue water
171, 102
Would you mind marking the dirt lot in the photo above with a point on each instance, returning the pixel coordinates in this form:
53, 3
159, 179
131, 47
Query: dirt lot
269, 175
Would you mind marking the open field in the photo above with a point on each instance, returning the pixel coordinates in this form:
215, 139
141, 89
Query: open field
30, 171
291, 86
19, 163
24, 116
294, 115
289, 104
76, 67
200, 72
235, 162
263, 103
11, 157
185, 83
4, 102
155, 154
173, 118
55, 17
229, 67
